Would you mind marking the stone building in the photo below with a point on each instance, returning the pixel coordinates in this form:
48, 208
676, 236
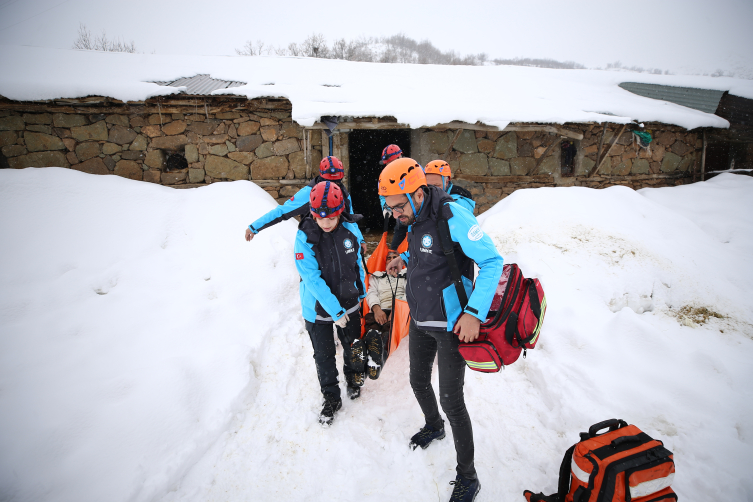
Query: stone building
198, 137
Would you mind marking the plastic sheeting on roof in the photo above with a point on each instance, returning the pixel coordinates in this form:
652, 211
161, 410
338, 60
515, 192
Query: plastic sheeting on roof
201, 84
705, 100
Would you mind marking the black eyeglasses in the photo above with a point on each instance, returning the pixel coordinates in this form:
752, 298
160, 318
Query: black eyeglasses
400, 208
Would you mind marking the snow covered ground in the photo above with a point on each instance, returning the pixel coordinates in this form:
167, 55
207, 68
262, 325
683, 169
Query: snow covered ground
147, 352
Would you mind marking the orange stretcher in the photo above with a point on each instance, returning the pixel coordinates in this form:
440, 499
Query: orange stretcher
400, 313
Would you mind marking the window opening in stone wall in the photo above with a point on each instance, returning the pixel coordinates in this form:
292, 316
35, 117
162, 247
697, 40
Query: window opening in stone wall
567, 158
176, 162
724, 155
365, 151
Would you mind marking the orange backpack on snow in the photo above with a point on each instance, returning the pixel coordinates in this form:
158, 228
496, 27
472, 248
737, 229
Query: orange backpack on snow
622, 465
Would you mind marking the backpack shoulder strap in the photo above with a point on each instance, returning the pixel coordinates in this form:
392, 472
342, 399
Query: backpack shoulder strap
443, 228
563, 485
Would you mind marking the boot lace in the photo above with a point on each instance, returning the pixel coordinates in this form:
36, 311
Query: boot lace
426, 433
458, 494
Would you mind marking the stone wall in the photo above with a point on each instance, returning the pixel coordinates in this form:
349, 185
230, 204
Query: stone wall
248, 142
493, 164
225, 139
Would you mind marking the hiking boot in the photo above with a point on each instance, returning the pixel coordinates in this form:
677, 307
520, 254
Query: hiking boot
465, 489
354, 392
358, 356
355, 379
425, 436
328, 412
375, 350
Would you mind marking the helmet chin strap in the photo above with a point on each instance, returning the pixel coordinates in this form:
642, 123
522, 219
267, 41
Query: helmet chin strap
415, 213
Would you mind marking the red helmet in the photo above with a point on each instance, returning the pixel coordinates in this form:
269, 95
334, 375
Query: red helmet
326, 199
390, 153
330, 168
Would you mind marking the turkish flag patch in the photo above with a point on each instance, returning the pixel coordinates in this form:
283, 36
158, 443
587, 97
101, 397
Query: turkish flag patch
299, 256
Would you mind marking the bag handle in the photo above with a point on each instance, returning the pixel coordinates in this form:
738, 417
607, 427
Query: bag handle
612, 423
443, 228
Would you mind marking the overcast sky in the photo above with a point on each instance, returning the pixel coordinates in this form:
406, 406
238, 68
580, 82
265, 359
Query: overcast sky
683, 36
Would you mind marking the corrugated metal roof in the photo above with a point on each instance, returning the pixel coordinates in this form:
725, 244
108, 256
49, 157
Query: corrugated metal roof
201, 84
705, 100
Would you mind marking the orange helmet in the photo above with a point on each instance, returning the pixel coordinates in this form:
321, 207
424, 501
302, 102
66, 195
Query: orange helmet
438, 167
401, 176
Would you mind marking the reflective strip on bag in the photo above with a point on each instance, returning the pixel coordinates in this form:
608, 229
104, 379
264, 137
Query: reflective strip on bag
579, 473
541, 321
652, 486
491, 365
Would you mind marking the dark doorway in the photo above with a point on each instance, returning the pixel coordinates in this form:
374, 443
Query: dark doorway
365, 147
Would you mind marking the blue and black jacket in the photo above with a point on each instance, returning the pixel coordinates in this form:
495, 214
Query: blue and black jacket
330, 266
431, 294
297, 205
461, 196
458, 194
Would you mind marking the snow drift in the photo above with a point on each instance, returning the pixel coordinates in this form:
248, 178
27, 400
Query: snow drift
147, 352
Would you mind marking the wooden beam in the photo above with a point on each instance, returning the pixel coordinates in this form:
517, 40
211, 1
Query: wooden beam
703, 158
614, 142
546, 128
601, 143
452, 143
457, 125
267, 183
307, 141
505, 179
535, 168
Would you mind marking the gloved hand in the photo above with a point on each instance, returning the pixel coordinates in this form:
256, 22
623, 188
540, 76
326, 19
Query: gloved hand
386, 212
342, 321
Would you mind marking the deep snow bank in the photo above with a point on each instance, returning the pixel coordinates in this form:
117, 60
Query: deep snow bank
133, 317
148, 352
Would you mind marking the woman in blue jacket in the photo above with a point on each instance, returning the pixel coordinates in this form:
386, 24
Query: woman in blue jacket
328, 259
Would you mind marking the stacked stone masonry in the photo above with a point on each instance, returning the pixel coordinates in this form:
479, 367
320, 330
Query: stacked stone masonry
257, 140
222, 146
493, 164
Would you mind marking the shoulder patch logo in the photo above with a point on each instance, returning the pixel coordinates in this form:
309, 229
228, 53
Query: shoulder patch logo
348, 243
292, 198
427, 241
299, 256
475, 233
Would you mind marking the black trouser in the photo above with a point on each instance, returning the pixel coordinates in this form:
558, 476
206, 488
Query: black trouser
424, 346
324, 352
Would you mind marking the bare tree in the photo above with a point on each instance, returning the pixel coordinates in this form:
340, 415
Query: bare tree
315, 46
254, 49
395, 49
85, 41
294, 50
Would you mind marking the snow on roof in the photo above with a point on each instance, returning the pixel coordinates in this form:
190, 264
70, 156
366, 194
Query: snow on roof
417, 95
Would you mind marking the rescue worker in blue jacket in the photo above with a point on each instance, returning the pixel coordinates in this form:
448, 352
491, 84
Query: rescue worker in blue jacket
328, 259
439, 174
330, 169
438, 322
